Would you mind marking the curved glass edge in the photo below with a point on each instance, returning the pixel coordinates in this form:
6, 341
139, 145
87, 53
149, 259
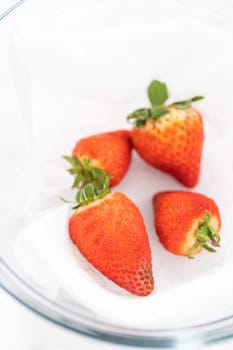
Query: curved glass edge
206, 334
10, 9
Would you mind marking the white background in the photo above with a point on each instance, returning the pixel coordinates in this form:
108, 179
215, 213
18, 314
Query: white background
21, 328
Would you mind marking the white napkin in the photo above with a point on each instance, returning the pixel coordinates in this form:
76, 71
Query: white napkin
77, 79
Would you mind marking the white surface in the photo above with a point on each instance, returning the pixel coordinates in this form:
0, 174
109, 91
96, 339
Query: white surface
77, 82
23, 329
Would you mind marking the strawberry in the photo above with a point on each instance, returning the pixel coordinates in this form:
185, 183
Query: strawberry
109, 231
109, 151
186, 222
169, 137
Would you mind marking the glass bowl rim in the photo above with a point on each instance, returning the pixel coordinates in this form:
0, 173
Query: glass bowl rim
203, 334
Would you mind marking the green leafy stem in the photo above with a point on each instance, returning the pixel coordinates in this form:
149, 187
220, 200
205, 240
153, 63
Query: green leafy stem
206, 234
92, 183
158, 95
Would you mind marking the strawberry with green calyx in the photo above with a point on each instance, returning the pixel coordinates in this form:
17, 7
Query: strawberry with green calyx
109, 231
109, 151
169, 137
186, 222
91, 181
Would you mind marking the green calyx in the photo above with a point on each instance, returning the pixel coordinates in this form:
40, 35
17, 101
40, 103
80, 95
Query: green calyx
140, 116
206, 237
158, 95
92, 183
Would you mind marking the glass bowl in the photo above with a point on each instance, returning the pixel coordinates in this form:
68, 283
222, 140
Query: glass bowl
77, 68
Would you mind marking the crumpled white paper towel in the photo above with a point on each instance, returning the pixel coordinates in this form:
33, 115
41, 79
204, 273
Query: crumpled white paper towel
74, 80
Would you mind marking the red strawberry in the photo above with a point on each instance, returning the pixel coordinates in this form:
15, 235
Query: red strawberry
169, 137
109, 230
109, 151
186, 222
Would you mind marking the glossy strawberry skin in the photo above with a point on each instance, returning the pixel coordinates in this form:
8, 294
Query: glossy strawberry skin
178, 212
173, 143
109, 151
111, 234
